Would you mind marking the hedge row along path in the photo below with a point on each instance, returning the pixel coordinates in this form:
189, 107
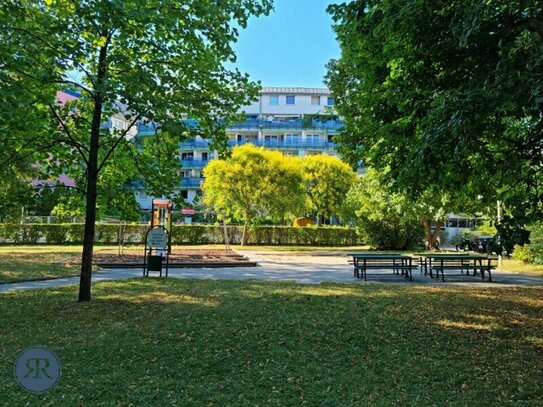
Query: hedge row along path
301, 268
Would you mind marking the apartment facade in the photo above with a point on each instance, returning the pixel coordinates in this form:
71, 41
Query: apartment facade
296, 121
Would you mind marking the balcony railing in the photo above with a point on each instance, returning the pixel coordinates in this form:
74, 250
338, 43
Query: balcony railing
278, 144
299, 124
190, 163
263, 124
147, 129
194, 144
191, 182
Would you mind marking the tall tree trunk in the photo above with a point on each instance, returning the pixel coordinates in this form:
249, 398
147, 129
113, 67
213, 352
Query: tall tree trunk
436, 234
244, 236
431, 238
92, 180
90, 211
427, 234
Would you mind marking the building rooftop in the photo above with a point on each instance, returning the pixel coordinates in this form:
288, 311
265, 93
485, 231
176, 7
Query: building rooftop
297, 91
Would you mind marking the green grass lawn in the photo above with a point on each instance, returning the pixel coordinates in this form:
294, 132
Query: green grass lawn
215, 343
518, 266
23, 263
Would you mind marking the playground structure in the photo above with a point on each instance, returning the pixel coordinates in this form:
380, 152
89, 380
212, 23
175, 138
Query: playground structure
161, 215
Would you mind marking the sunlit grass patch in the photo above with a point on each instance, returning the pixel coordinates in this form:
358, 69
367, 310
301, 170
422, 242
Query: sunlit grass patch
518, 266
206, 342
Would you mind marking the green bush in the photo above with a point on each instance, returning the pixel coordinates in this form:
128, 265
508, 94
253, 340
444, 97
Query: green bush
531, 252
392, 234
55, 234
523, 253
384, 219
181, 234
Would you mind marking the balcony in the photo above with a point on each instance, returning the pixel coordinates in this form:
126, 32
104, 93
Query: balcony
287, 145
275, 144
190, 163
147, 129
194, 145
307, 123
293, 124
191, 182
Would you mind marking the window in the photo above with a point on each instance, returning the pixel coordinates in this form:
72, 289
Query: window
291, 99
292, 138
313, 138
118, 124
315, 100
184, 194
331, 101
205, 156
271, 139
187, 156
274, 100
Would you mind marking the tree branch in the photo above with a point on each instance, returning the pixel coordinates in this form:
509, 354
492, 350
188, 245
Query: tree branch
118, 141
79, 147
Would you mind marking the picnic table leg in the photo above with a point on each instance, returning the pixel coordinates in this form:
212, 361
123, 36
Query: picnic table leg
489, 273
426, 268
356, 267
410, 269
442, 271
365, 273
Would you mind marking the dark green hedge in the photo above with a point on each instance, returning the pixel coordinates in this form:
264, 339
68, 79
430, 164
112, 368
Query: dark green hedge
72, 233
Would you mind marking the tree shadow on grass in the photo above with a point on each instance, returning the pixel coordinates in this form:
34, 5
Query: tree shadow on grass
151, 342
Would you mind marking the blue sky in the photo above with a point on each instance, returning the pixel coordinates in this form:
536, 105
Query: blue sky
291, 46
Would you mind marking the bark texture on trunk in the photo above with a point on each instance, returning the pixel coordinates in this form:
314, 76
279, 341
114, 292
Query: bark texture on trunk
92, 181
431, 238
90, 211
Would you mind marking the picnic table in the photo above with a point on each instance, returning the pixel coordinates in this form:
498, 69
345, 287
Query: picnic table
457, 262
399, 264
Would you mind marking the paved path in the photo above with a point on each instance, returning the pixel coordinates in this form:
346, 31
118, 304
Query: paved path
303, 268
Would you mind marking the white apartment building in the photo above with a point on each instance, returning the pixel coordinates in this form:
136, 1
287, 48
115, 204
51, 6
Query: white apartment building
296, 121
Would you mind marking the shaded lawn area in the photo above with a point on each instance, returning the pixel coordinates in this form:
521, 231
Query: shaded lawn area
201, 342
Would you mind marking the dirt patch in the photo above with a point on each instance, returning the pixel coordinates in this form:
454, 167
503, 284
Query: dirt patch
178, 258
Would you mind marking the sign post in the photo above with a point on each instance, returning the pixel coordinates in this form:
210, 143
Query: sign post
157, 242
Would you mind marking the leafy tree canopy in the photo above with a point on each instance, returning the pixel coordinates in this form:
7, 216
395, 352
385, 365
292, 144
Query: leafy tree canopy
385, 220
447, 95
327, 180
254, 183
149, 61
